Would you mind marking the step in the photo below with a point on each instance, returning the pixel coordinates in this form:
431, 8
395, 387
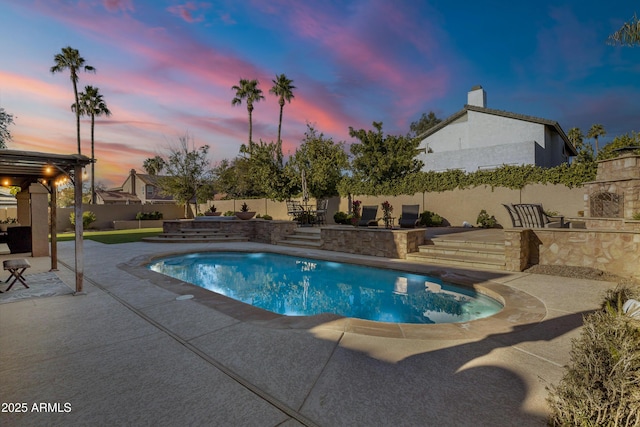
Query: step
197, 235
475, 244
300, 243
486, 253
457, 260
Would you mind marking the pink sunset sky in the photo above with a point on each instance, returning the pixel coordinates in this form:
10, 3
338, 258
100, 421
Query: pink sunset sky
166, 68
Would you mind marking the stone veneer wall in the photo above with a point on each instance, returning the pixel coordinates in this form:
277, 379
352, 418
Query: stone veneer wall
256, 230
372, 241
613, 251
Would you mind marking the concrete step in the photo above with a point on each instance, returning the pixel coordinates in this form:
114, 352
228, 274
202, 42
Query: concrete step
494, 253
471, 244
300, 243
457, 260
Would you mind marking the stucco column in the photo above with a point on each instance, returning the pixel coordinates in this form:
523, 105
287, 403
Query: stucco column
39, 220
23, 208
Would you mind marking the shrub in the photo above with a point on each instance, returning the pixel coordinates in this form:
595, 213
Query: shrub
244, 207
148, 215
340, 218
229, 213
486, 221
267, 217
87, 218
601, 385
430, 219
636, 216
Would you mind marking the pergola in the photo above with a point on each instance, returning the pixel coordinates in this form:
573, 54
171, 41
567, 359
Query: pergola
23, 168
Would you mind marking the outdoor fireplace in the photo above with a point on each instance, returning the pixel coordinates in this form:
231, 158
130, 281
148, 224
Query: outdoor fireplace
616, 191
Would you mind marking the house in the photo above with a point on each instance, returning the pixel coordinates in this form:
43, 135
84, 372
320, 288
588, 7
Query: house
479, 138
137, 189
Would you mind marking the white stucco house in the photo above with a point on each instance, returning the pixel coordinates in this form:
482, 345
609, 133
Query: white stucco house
479, 138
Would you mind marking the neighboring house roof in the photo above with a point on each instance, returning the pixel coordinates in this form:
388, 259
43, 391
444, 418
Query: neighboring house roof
153, 180
117, 197
466, 108
6, 198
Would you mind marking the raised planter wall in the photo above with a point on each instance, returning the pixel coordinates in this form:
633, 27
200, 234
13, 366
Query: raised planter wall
135, 224
613, 251
257, 230
372, 241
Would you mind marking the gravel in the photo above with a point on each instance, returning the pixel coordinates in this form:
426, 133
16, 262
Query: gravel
579, 273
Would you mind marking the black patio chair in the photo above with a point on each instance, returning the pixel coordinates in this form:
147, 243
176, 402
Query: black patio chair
410, 216
368, 217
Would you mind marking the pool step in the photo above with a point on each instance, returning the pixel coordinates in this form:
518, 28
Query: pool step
307, 237
196, 235
461, 253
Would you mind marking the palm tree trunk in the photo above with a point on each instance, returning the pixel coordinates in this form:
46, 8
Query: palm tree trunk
93, 171
75, 92
250, 109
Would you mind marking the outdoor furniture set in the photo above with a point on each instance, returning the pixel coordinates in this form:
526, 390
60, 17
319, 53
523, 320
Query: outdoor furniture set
308, 214
531, 215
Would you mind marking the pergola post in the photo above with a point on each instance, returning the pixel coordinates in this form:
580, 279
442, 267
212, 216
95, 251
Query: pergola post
53, 226
77, 174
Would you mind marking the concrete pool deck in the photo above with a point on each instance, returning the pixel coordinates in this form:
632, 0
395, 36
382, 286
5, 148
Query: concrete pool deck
131, 351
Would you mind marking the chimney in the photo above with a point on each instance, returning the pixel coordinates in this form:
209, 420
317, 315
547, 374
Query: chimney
132, 173
477, 97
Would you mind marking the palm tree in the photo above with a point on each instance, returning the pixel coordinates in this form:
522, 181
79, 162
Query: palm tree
92, 104
154, 165
70, 58
249, 91
596, 131
628, 34
283, 88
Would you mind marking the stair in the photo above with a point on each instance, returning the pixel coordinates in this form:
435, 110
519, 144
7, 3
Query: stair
303, 237
197, 235
461, 253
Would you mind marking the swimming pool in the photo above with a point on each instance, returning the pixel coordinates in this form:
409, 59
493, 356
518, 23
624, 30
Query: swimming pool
296, 286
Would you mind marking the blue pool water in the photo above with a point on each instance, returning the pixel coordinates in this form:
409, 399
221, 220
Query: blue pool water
301, 286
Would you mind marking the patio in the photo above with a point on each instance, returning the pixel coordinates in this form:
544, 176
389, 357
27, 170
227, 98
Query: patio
130, 351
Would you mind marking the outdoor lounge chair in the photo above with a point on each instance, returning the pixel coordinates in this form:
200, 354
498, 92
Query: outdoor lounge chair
410, 216
368, 216
515, 218
532, 215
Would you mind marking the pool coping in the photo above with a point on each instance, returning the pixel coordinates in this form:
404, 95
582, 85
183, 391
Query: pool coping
521, 310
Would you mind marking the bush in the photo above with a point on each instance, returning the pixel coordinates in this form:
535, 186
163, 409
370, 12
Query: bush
430, 219
229, 213
148, 215
636, 216
267, 217
601, 386
87, 218
486, 221
340, 218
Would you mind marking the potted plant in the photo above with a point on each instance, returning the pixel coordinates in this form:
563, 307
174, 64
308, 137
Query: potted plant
244, 212
6, 222
212, 211
386, 214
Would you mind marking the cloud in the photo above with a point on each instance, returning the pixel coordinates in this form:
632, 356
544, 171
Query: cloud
118, 5
186, 11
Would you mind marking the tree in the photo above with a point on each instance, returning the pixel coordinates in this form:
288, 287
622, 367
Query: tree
92, 104
596, 131
6, 119
283, 88
69, 58
249, 91
188, 170
628, 34
585, 152
425, 123
153, 166
323, 161
383, 159
623, 141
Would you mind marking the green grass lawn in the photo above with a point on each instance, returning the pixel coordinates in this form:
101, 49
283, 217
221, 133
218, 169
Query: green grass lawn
113, 236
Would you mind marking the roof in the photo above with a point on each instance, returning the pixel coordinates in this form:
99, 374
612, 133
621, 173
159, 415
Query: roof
22, 168
117, 197
506, 114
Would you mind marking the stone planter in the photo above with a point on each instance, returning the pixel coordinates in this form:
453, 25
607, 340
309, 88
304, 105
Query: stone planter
245, 215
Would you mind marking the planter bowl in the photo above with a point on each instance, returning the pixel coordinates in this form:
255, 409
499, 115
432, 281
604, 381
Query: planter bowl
245, 215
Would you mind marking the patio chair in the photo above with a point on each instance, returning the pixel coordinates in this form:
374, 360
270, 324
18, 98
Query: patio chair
410, 216
368, 217
513, 214
321, 211
294, 210
533, 216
